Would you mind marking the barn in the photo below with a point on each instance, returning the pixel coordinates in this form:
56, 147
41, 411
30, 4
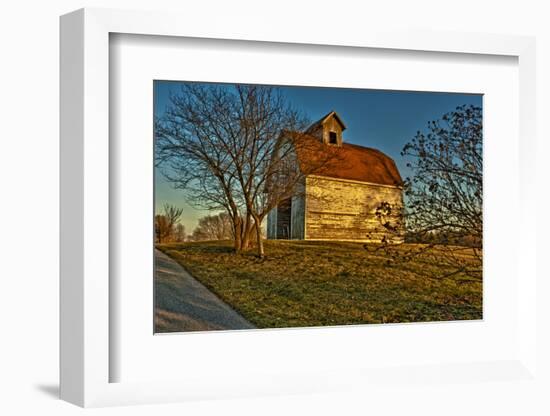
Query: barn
359, 197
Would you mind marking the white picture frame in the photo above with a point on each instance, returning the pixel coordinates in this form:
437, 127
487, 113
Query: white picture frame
85, 212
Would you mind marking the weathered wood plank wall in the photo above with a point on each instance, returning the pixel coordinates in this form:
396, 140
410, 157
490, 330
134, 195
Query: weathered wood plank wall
272, 224
298, 217
346, 210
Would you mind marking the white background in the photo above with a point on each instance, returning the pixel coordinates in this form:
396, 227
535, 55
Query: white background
29, 210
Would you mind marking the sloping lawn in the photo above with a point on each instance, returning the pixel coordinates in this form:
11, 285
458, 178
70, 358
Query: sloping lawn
303, 283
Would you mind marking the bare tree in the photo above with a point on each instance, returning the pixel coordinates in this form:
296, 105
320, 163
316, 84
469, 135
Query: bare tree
443, 198
268, 167
179, 233
233, 149
161, 228
165, 223
191, 141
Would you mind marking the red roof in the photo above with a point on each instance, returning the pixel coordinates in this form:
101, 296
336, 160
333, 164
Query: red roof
349, 161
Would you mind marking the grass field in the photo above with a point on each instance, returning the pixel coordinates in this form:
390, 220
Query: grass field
302, 283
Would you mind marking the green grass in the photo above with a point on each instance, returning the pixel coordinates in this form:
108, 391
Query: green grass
303, 283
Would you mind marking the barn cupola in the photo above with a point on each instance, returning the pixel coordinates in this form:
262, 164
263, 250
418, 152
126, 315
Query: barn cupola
328, 129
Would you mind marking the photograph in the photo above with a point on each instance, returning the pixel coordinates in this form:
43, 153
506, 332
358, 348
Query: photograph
298, 206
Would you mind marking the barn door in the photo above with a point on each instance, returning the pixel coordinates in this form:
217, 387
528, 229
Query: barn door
284, 215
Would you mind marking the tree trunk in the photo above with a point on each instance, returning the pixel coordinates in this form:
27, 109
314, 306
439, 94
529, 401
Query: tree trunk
259, 241
247, 233
237, 227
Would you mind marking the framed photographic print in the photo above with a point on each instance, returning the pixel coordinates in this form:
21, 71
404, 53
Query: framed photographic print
312, 205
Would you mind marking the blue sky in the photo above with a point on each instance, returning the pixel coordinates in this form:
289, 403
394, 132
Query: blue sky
385, 120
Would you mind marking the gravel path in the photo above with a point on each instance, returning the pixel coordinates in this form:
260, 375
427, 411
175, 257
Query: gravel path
182, 303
